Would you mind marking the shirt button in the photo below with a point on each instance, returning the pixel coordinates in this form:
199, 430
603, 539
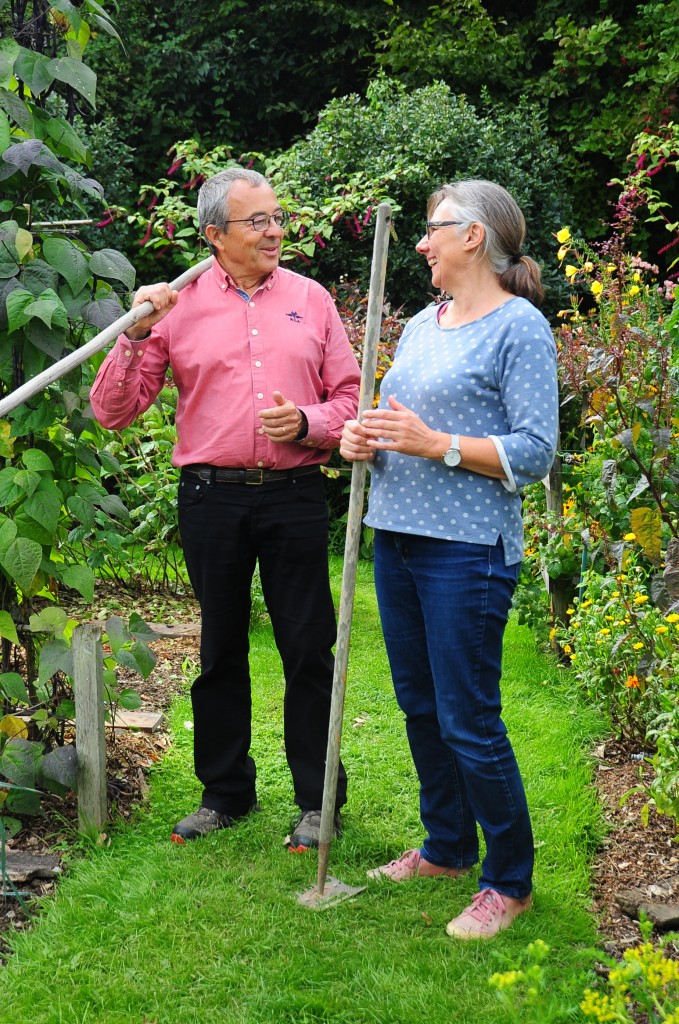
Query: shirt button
119, 384
223, 287
257, 363
260, 463
261, 430
255, 331
252, 303
127, 352
140, 354
260, 395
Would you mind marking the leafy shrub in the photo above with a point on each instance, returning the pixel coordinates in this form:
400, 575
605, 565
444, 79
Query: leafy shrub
407, 143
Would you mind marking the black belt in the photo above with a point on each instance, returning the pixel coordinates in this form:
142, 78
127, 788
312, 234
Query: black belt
222, 475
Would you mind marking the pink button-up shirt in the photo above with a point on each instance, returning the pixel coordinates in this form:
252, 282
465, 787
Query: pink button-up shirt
228, 356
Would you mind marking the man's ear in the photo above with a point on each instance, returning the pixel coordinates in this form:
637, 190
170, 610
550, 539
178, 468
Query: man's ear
213, 235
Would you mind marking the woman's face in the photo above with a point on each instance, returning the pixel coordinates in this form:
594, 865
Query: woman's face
443, 243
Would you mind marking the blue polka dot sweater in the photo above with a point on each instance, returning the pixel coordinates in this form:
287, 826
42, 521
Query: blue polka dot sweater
496, 378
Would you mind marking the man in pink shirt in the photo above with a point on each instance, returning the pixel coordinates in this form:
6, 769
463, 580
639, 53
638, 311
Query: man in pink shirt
266, 379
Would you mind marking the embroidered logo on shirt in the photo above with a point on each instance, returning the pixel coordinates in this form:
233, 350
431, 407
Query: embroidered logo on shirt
295, 317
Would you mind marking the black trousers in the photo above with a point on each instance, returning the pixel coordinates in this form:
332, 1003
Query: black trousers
225, 529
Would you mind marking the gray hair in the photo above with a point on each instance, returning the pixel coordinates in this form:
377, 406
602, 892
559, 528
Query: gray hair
486, 203
213, 197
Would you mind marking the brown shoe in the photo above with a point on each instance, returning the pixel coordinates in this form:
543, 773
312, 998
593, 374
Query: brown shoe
412, 864
200, 823
489, 913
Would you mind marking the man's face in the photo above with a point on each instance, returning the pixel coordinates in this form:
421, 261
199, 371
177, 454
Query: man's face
249, 256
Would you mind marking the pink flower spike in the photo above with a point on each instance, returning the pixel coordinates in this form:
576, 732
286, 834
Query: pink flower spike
368, 214
175, 165
170, 228
153, 203
147, 235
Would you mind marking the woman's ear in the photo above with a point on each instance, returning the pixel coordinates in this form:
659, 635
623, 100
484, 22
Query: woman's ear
474, 235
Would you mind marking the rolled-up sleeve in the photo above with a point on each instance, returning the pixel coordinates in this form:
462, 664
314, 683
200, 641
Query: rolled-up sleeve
527, 376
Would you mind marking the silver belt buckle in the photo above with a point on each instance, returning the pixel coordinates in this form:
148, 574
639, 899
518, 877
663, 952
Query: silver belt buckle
254, 483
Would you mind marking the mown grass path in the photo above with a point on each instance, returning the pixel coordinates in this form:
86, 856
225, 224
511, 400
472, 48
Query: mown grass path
145, 932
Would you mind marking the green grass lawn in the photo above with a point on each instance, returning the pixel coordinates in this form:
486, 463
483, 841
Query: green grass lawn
146, 932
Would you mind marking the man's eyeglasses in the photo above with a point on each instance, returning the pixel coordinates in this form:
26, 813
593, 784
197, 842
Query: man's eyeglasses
262, 220
433, 225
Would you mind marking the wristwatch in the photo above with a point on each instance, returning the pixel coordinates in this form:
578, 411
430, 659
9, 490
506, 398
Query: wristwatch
453, 456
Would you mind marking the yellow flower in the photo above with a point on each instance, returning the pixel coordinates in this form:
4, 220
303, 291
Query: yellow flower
637, 646
616, 593
563, 235
605, 631
661, 629
562, 252
634, 290
672, 618
636, 275
630, 536
589, 267
570, 270
640, 598
610, 267
597, 287
567, 648
570, 611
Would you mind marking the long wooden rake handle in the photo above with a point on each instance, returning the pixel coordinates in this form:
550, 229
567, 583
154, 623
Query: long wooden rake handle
100, 341
353, 540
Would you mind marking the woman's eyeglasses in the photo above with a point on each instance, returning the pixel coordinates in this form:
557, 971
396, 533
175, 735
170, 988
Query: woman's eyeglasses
434, 225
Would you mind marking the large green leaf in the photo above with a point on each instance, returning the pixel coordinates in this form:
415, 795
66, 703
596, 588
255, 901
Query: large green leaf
37, 460
80, 578
49, 308
18, 762
112, 504
22, 561
66, 139
37, 275
8, 532
82, 510
44, 506
58, 770
112, 266
8, 629
17, 110
9, 51
32, 153
68, 260
12, 684
17, 301
102, 312
67, 8
55, 656
9, 493
77, 75
33, 69
4, 131
27, 480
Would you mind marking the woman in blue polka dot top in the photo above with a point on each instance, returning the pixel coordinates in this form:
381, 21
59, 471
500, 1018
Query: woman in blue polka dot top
468, 416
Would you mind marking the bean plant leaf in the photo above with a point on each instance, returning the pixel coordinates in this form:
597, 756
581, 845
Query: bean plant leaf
17, 110
12, 685
647, 525
5, 134
129, 699
8, 629
37, 275
9, 51
44, 506
9, 492
11, 725
52, 620
81, 510
22, 561
55, 656
80, 578
9, 826
102, 312
6, 440
34, 71
58, 769
117, 633
49, 308
17, 301
112, 266
69, 260
77, 75
140, 629
37, 460
19, 757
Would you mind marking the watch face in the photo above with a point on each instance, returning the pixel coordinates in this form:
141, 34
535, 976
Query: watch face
452, 457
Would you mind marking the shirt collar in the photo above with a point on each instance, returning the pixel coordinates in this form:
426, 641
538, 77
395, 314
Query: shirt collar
223, 277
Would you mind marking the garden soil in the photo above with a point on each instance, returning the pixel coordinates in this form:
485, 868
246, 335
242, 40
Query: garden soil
632, 856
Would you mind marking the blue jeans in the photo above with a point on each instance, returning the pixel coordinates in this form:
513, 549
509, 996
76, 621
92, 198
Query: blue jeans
444, 607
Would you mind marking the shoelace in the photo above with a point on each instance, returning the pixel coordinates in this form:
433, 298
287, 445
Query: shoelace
488, 904
409, 859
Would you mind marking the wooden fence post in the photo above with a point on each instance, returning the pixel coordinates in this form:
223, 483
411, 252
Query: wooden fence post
90, 737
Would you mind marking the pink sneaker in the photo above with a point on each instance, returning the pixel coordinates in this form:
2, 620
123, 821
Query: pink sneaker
412, 864
489, 913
